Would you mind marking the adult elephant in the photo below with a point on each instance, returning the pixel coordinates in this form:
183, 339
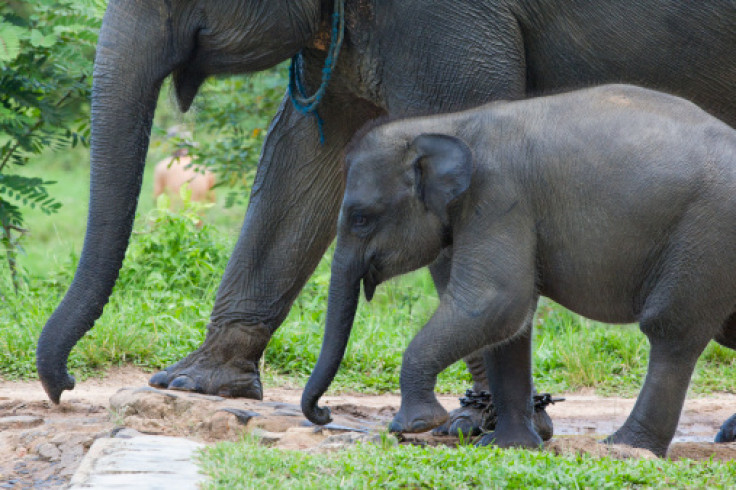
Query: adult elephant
398, 58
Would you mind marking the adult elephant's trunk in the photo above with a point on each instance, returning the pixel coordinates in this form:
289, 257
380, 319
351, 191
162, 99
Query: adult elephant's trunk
134, 55
341, 305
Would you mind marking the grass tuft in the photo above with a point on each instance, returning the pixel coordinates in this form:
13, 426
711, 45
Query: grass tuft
249, 465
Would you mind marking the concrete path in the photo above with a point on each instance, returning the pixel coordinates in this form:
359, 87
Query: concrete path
139, 462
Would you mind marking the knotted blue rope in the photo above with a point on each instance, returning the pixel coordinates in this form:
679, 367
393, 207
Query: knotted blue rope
307, 104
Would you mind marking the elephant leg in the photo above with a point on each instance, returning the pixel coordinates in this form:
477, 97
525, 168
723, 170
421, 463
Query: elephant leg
653, 421
463, 420
437, 346
509, 375
289, 224
682, 313
469, 420
485, 304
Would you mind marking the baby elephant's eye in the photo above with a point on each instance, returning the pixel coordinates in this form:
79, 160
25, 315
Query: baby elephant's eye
359, 220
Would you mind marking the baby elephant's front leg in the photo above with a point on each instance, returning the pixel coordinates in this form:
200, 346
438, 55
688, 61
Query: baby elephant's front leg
452, 333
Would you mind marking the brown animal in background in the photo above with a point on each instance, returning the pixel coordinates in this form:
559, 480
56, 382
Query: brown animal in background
173, 172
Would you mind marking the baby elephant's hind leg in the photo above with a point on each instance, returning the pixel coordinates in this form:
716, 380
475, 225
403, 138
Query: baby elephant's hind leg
673, 354
653, 421
682, 313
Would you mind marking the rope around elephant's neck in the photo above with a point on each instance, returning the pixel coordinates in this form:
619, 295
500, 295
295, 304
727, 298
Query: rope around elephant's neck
308, 104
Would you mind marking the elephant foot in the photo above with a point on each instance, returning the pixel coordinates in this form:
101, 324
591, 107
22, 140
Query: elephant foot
517, 435
418, 417
477, 415
728, 430
638, 437
226, 364
468, 421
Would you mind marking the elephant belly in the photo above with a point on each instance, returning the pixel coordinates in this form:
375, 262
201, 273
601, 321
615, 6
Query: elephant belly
603, 287
599, 305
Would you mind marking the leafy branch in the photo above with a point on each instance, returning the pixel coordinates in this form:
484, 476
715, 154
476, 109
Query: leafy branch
46, 52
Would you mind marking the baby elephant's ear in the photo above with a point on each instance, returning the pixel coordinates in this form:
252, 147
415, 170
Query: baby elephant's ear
444, 166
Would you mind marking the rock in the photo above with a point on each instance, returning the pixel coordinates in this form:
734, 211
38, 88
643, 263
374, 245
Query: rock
299, 438
19, 422
225, 425
339, 442
595, 447
71, 454
48, 452
72, 439
148, 403
267, 438
146, 425
332, 427
101, 434
27, 437
275, 423
124, 433
288, 412
243, 416
140, 462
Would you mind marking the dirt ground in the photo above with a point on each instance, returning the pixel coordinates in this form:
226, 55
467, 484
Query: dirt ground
41, 445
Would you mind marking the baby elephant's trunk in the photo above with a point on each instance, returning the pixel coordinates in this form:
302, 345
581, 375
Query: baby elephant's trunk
341, 306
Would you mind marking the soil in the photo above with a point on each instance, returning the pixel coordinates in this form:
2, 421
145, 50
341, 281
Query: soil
42, 444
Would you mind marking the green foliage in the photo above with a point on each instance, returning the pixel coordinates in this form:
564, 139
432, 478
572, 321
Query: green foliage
46, 50
171, 253
610, 358
250, 465
158, 308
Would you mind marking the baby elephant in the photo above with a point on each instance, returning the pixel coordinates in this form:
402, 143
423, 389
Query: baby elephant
617, 202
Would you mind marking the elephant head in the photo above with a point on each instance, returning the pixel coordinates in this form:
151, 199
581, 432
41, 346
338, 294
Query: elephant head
401, 192
141, 42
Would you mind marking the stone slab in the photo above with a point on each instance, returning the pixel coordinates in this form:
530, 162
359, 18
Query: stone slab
142, 462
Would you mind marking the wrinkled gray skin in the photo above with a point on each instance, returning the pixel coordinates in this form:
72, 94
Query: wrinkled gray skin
399, 58
617, 202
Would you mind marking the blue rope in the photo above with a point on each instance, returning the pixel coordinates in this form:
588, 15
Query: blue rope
307, 104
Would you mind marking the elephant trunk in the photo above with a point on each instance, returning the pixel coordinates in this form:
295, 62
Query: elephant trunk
341, 305
127, 80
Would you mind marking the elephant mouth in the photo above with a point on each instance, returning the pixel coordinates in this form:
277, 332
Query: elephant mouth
370, 280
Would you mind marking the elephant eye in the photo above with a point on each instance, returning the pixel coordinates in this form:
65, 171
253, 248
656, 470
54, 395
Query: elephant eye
359, 221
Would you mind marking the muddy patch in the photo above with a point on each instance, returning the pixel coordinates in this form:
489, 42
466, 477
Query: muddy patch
41, 445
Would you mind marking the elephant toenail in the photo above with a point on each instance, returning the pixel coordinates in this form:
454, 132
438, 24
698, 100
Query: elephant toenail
465, 426
395, 427
442, 430
159, 380
184, 383
419, 426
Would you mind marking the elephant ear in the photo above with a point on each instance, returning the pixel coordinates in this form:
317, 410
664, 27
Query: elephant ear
443, 167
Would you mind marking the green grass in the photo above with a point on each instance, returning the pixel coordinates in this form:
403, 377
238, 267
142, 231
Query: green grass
249, 465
